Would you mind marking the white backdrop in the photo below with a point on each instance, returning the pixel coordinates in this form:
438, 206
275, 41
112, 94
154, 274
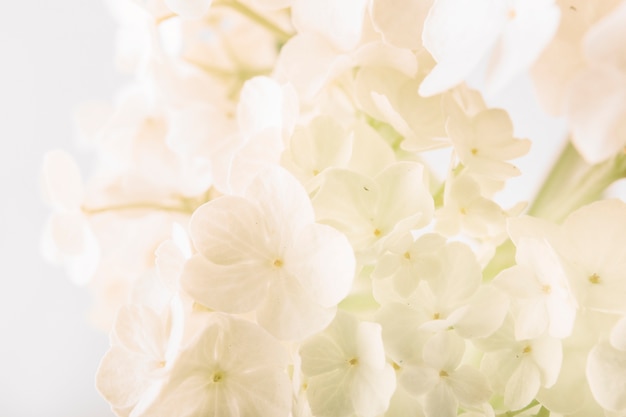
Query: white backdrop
55, 55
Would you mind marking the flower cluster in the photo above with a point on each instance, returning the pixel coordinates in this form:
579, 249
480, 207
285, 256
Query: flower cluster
266, 234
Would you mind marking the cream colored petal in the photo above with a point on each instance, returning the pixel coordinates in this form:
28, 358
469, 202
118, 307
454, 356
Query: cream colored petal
235, 288
339, 22
400, 22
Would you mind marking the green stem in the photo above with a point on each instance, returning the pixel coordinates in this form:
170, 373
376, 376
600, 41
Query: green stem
185, 206
572, 183
281, 35
136, 206
544, 412
560, 177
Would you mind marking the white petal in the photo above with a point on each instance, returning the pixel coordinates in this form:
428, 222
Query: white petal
328, 394
441, 402
230, 230
470, 386
141, 331
234, 289
604, 42
570, 392
264, 104
444, 351
63, 185
418, 380
595, 110
370, 153
119, 380
372, 391
531, 319
323, 263
522, 386
524, 38
288, 312
487, 310
458, 34
346, 200
618, 335
339, 22
400, 22
606, 373
307, 62
261, 393
169, 263
548, 355
403, 193
284, 202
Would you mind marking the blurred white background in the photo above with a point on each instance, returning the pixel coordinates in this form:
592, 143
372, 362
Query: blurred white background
55, 55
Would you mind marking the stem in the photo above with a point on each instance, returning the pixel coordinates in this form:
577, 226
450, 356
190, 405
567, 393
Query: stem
185, 206
281, 35
136, 206
544, 412
560, 177
572, 183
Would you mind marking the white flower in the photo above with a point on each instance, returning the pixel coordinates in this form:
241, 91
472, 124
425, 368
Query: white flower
264, 252
400, 22
540, 290
370, 211
606, 372
468, 211
346, 370
443, 380
596, 237
231, 368
68, 237
484, 142
518, 368
338, 22
143, 344
459, 34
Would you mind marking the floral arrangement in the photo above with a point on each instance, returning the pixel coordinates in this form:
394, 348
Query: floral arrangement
265, 233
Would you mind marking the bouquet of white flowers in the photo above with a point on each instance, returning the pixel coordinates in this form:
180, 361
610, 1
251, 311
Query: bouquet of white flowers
266, 233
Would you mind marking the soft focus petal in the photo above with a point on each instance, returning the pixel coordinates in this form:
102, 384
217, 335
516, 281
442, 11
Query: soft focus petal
522, 386
458, 34
62, 180
234, 289
606, 372
339, 22
323, 263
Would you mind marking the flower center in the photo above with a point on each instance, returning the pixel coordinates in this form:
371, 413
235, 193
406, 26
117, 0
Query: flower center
278, 263
353, 361
594, 278
217, 376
